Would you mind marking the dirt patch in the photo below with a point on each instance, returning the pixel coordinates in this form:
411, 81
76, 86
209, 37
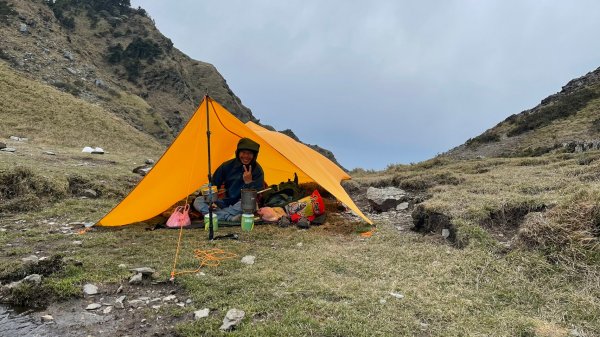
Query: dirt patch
504, 223
427, 221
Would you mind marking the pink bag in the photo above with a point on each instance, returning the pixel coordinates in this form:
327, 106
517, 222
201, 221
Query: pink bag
180, 217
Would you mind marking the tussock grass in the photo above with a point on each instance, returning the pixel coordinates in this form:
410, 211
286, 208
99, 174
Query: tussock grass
546, 203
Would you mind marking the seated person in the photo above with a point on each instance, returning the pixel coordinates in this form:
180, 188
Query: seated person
236, 174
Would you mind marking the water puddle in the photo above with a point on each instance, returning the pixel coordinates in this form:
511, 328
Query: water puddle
15, 322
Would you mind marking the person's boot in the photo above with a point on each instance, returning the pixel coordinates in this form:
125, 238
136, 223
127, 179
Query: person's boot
283, 222
303, 223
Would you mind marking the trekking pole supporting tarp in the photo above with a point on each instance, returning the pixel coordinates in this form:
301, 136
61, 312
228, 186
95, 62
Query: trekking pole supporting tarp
211, 232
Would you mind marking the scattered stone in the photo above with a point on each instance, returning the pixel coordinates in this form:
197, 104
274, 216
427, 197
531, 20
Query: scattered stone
402, 206
119, 302
397, 295
93, 306
299, 244
90, 289
143, 270
169, 298
122, 265
107, 310
90, 193
248, 259
136, 303
149, 161
30, 258
201, 313
382, 301
142, 170
119, 289
200, 274
23, 28
232, 318
445, 233
71, 71
68, 55
9, 149
47, 318
575, 333
93, 150
98, 150
136, 279
77, 243
50, 153
188, 301
181, 304
33, 278
156, 307
18, 139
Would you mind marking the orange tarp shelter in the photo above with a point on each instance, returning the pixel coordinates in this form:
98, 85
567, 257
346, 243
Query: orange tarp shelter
183, 168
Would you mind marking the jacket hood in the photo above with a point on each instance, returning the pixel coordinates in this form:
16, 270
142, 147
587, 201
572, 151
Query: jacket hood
247, 144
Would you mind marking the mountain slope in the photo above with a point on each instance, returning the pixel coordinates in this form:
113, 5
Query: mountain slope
67, 122
566, 121
109, 54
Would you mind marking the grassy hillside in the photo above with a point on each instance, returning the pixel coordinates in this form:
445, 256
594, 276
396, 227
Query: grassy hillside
49, 117
569, 116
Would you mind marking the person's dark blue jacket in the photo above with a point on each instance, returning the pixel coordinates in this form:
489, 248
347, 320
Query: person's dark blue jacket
230, 174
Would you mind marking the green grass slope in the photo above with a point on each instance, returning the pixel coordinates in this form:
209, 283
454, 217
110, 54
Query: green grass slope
50, 117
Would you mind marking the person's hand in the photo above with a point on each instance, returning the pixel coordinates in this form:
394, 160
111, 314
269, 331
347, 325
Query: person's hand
247, 174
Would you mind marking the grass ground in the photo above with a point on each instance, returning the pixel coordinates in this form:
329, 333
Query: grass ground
328, 281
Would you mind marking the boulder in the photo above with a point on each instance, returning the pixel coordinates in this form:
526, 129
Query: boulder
385, 199
232, 318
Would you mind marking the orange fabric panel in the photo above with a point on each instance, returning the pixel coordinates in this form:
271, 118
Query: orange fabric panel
315, 165
183, 168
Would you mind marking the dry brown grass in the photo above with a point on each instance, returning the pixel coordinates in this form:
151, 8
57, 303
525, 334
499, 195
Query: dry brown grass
49, 117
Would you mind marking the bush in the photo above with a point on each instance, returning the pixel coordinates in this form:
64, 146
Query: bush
142, 49
115, 54
568, 105
68, 87
486, 137
6, 11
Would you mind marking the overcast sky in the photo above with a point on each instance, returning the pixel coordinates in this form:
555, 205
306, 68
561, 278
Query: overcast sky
386, 81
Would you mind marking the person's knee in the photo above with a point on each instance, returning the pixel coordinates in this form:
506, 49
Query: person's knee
200, 205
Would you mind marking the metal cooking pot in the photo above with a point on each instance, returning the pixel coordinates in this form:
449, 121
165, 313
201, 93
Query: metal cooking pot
248, 200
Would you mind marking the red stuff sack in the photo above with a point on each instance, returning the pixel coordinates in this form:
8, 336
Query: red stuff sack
307, 207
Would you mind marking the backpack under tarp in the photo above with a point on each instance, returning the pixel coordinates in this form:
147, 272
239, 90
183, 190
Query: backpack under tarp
284, 193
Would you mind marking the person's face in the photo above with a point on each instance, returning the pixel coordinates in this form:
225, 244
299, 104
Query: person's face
246, 156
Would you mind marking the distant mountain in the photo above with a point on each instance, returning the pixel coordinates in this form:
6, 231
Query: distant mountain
109, 54
567, 121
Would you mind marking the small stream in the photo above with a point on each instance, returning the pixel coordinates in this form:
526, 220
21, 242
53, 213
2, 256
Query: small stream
19, 324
